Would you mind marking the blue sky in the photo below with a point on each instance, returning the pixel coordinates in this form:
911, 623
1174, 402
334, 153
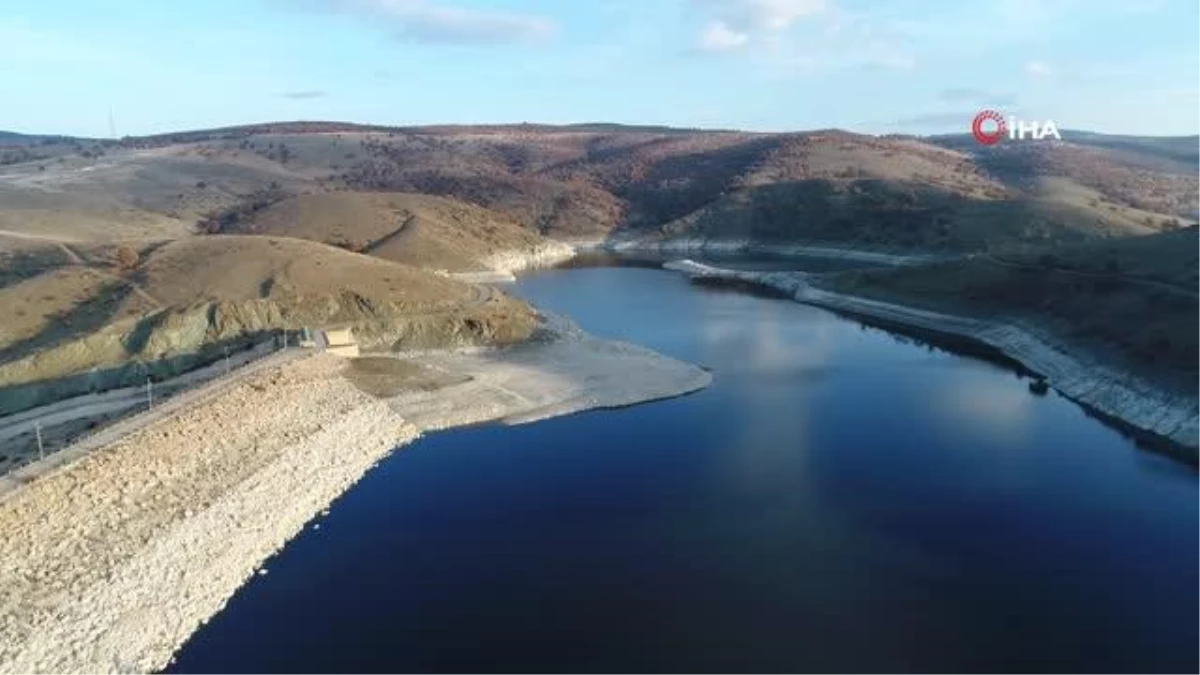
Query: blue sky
1120, 66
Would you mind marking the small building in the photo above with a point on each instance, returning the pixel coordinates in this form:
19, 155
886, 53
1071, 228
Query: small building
340, 341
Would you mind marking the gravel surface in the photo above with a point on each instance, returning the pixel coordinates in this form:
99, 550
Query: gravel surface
111, 564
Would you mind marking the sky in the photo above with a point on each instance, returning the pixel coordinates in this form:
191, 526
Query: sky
877, 66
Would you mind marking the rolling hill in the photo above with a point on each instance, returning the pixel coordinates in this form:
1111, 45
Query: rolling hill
415, 229
107, 317
595, 181
1130, 302
150, 255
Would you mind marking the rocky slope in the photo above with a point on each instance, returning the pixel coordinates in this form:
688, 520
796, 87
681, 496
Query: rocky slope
198, 297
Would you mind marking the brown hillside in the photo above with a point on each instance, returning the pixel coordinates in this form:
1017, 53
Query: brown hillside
418, 230
593, 180
1114, 299
189, 299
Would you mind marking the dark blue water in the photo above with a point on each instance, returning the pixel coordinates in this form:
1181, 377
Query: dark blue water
839, 499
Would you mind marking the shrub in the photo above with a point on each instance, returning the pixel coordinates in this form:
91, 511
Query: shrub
127, 258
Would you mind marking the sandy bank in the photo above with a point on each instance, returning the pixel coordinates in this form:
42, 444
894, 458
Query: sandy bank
1121, 395
111, 563
569, 372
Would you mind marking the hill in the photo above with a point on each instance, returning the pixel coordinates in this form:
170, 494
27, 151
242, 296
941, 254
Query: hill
1169, 153
597, 180
110, 316
1131, 302
14, 138
902, 194
418, 230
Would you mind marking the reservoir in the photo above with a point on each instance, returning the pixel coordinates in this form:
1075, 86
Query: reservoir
840, 499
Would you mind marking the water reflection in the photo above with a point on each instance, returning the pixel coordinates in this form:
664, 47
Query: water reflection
997, 407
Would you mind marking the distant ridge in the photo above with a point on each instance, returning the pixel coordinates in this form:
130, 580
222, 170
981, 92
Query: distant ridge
14, 138
1179, 147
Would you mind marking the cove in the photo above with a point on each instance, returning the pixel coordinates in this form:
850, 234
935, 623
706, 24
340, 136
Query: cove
840, 499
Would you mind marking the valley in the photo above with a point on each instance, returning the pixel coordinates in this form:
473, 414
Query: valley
184, 263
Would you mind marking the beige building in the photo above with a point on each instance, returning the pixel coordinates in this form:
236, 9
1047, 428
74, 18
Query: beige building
339, 341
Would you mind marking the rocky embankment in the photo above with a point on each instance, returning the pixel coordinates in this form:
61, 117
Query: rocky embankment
113, 561
547, 254
502, 267
1122, 396
698, 245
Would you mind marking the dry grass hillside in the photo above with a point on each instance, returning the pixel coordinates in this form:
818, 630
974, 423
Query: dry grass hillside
1131, 302
1154, 176
110, 319
414, 229
118, 255
1170, 258
597, 180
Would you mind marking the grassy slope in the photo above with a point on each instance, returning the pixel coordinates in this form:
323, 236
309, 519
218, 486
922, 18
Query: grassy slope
299, 179
418, 230
188, 298
899, 193
589, 180
1140, 311
568, 182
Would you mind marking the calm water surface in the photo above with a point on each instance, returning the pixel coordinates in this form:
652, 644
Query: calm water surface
839, 499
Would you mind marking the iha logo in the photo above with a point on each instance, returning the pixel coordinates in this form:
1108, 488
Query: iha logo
990, 127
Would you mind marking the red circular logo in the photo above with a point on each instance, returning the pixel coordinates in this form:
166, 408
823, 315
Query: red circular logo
988, 137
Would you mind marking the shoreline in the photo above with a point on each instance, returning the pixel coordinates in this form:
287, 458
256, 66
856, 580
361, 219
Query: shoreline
504, 266
114, 560
688, 245
1142, 408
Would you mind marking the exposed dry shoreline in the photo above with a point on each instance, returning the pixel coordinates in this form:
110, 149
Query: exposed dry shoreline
1122, 396
692, 245
114, 561
502, 267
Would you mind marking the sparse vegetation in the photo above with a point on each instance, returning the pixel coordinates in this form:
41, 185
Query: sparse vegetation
229, 218
419, 230
1134, 304
490, 188
127, 258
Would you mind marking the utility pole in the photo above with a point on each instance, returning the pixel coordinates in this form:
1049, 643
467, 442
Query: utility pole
149, 394
37, 429
227, 360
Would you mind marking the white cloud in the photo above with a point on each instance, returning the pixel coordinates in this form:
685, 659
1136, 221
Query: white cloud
755, 15
719, 37
741, 24
430, 21
1037, 69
